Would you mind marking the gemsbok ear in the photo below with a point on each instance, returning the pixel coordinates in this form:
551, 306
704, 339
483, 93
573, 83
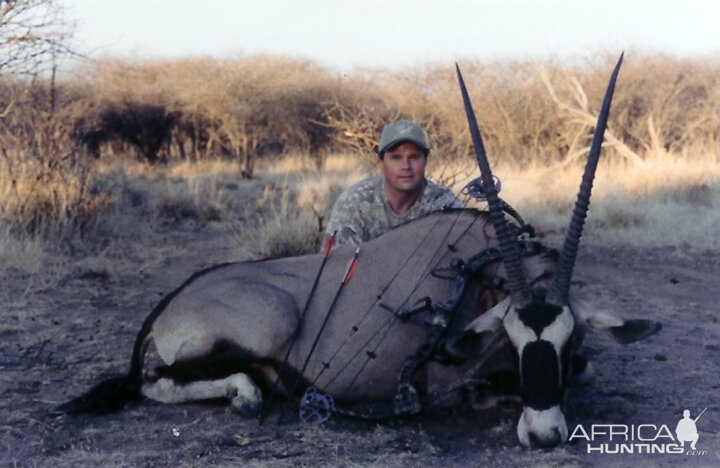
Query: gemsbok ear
491, 320
622, 331
635, 330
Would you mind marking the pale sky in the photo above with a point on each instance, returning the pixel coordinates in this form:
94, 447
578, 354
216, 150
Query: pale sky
393, 33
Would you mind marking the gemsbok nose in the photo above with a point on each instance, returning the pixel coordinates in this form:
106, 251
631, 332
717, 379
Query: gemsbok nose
544, 428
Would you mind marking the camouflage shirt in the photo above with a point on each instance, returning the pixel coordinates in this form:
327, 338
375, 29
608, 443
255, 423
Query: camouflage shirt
363, 212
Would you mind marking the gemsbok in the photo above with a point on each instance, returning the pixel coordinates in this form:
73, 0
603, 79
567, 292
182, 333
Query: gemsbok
443, 290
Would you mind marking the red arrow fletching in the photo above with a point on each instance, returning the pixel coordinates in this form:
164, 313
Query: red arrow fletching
329, 244
352, 266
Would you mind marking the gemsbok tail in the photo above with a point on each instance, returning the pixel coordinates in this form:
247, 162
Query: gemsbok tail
114, 393
106, 397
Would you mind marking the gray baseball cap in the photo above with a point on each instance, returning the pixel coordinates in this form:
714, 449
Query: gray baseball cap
400, 131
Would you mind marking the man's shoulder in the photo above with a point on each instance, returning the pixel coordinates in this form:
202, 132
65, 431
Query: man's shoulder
436, 195
366, 190
435, 188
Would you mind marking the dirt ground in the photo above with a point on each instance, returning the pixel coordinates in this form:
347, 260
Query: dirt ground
63, 330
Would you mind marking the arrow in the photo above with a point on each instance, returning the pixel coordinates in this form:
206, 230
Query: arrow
349, 271
329, 243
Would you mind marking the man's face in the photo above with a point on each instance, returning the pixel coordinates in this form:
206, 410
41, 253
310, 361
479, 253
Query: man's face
404, 167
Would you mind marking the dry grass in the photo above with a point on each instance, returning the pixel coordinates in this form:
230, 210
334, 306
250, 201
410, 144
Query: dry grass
47, 197
304, 163
281, 229
206, 191
554, 187
45, 186
290, 215
669, 200
25, 255
660, 163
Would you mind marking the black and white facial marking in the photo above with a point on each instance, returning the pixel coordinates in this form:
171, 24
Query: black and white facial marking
541, 334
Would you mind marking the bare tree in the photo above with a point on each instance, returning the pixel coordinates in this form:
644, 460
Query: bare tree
33, 35
582, 115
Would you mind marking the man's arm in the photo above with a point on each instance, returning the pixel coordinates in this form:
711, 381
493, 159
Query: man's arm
345, 219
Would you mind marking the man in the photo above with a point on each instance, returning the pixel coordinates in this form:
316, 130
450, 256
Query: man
378, 204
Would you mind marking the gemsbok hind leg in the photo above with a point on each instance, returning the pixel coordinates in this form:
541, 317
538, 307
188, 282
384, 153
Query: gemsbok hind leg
209, 343
245, 397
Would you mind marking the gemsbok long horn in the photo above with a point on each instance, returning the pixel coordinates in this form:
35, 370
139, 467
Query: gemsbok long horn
560, 286
519, 289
